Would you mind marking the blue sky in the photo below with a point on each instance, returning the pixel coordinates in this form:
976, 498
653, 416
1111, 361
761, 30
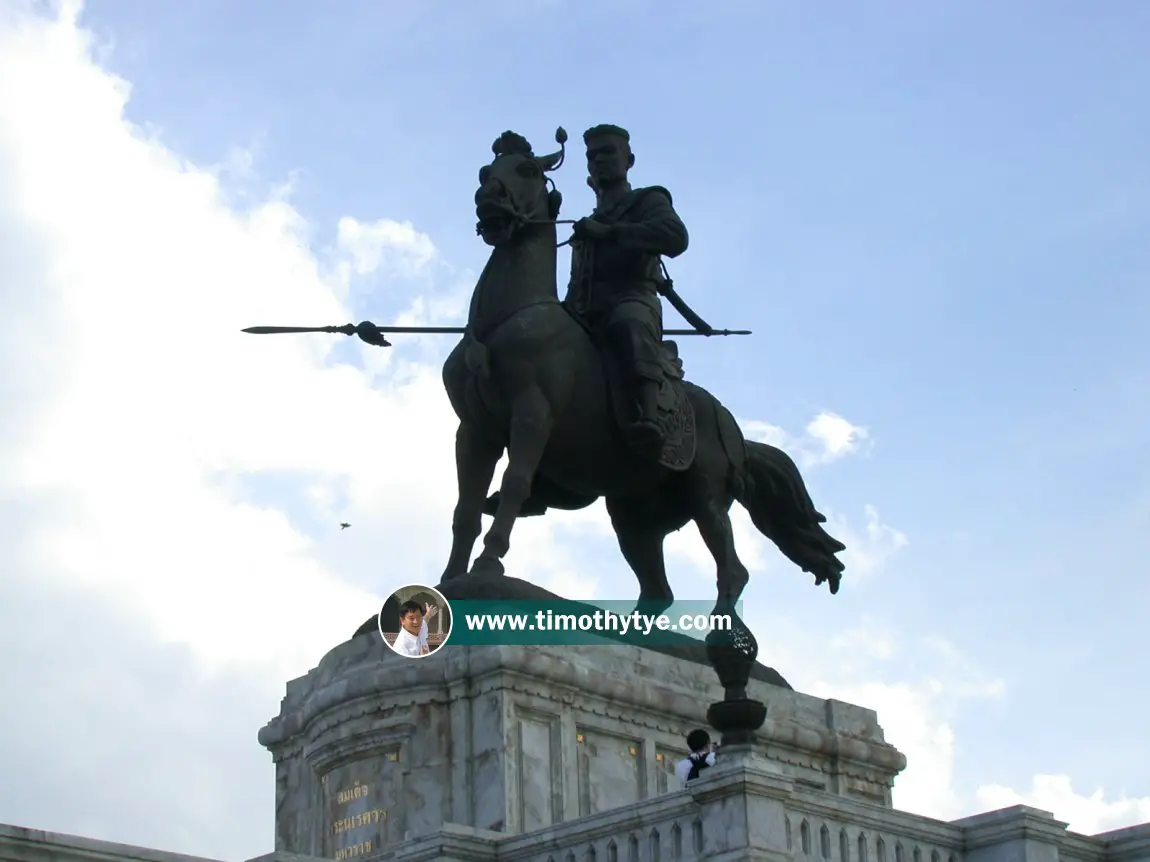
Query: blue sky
933, 216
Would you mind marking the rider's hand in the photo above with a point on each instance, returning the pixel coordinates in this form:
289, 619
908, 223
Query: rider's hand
590, 230
432, 610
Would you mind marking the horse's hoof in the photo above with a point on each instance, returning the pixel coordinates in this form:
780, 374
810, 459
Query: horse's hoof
653, 605
487, 567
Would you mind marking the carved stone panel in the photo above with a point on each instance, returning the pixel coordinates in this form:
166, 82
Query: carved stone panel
539, 785
666, 759
611, 771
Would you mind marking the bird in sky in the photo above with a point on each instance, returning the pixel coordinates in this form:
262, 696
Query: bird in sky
344, 526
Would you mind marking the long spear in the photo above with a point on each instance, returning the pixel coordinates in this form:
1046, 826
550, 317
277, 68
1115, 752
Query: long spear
373, 334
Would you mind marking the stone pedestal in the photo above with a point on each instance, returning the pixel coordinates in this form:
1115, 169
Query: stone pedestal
497, 754
372, 749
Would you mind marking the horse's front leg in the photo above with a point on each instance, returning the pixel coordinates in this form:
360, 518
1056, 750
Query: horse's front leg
531, 423
475, 460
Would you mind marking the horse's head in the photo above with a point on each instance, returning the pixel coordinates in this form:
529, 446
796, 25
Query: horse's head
513, 189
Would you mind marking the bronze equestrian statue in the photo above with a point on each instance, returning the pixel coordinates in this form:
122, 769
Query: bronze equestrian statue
587, 399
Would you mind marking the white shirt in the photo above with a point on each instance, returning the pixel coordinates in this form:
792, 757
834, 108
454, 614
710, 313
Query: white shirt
423, 634
684, 767
408, 644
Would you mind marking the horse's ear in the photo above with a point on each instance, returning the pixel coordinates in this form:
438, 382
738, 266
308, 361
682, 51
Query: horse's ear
554, 160
554, 202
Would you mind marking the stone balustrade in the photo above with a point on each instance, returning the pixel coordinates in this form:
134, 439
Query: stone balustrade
749, 810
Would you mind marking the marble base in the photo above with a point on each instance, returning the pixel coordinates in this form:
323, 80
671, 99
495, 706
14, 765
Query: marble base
371, 748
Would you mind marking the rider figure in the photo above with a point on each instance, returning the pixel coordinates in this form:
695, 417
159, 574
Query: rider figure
617, 274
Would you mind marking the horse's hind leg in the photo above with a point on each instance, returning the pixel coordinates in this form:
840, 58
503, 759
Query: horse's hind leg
531, 423
475, 460
714, 522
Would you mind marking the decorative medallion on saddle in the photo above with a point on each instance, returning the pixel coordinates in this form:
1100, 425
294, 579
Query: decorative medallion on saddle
675, 416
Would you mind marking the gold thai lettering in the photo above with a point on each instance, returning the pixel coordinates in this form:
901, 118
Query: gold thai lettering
351, 794
356, 821
360, 849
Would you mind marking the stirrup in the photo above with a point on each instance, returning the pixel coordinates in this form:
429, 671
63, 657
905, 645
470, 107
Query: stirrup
646, 434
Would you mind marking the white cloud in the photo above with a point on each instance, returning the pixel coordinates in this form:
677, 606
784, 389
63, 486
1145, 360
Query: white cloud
867, 551
384, 242
869, 642
826, 438
837, 436
170, 488
917, 702
157, 413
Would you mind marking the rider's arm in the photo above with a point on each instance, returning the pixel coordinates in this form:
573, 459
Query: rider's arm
653, 227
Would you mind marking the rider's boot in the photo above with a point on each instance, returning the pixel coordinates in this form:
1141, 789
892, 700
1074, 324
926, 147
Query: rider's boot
645, 435
626, 339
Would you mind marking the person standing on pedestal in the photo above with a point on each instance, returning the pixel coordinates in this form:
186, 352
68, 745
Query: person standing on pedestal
701, 757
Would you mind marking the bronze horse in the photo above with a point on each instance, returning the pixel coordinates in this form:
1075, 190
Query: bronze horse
528, 379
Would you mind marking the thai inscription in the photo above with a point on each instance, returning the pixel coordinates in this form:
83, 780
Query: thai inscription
358, 798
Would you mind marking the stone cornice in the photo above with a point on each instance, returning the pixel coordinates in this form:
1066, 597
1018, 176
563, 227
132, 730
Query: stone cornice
359, 690
1082, 846
451, 842
1010, 824
1126, 845
856, 757
335, 752
18, 844
591, 703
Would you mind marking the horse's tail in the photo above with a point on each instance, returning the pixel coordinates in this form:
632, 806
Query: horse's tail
774, 494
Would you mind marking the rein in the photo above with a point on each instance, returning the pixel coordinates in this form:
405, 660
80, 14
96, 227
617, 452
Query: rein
524, 222
555, 222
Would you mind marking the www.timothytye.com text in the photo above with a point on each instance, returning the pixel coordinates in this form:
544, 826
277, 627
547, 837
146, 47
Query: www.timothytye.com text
598, 621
